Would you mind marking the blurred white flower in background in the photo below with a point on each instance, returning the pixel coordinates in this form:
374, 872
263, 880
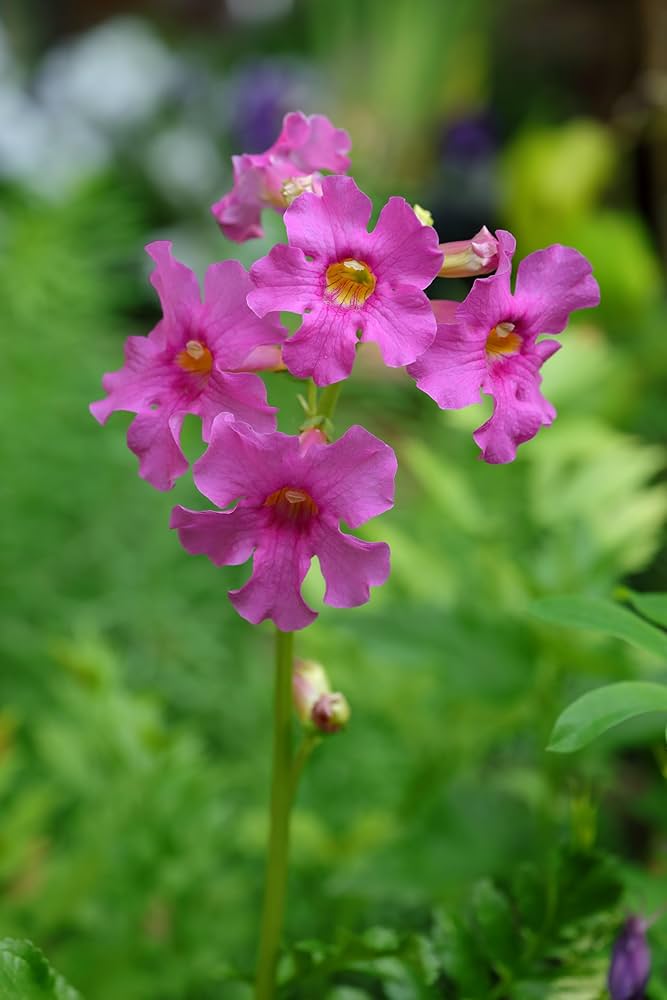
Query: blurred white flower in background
183, 162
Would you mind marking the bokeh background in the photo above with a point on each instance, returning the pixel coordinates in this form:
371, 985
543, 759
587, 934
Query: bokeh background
135, 705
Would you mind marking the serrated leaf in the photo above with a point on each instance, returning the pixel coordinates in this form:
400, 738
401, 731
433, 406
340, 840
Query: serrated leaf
597, 711
25, 974
602, 616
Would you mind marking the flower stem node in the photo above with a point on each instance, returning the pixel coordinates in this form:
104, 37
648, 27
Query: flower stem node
331, 712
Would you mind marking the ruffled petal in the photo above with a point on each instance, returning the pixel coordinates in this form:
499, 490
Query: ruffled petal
281, 561
453, 369
349, 566
177, 288
240, 462
401, 323
551, 284
242, 395
333, 226
506, 250
444, 310
488, 302
154, 439
284, 280
324, 346
352, 478
227, 537
143, 379
313, 143
401, 249
231, 328
520, 409
239, 213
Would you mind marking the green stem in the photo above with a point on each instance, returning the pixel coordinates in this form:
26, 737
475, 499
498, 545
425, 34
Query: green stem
308, 744
328, 400
281, 801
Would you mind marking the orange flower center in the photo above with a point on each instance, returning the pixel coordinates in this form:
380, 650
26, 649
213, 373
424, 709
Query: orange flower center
292, 504
196, 358
502, 341
349, 283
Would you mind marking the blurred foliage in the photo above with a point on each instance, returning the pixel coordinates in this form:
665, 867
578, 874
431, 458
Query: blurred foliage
438, 850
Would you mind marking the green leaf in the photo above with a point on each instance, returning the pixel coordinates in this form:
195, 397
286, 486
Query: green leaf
602, 616
597, 711
653, 606
25, 974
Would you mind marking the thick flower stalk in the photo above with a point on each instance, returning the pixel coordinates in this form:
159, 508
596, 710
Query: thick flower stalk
291, 495
349, 284
489, 343
305, 146
192, 362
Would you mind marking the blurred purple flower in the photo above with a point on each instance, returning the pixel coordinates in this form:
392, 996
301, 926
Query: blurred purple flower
630, 967
470, 139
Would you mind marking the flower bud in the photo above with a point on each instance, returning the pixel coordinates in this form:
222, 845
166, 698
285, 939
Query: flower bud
630, 962
309, 682
469, 258
423, 215
267, 358
331, 712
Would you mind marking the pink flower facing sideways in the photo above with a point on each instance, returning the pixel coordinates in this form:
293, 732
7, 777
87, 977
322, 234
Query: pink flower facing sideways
343, 279
489, 342
190, 363
290, 494
305, 146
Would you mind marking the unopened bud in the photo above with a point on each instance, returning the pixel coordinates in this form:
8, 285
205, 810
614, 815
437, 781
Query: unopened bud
470, 258
423, 215
309, 682
331, 712
267, 358
630, 967
311, 436
294, 186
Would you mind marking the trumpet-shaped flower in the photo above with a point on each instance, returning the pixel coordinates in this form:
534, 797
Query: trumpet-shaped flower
345, 281
306, 145
289, 496
191, 362
489, 343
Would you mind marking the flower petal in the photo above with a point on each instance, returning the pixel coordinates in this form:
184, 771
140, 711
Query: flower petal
312, 143
281, 561
350, 566
227, 537
284, 280
239, 213
519, 412
324, 345
242, 395
141, 381
242, 463
334, 225
154, 439
402, 324
231, 328
176, 286
401, 249
551, 284
453, 369
353, 478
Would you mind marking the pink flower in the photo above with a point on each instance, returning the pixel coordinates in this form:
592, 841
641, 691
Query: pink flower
189, 363
291, 496
489, 342
305, 146
343, 280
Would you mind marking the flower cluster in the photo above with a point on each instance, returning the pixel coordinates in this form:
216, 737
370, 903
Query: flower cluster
281, 498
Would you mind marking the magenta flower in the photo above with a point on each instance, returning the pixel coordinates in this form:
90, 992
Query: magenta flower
291, 496
190, 363
305, 146
344, 280
489, 342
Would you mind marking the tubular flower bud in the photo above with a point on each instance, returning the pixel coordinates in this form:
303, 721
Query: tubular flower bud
309, 684
423, 215
470, 258
331, 712
630, 967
